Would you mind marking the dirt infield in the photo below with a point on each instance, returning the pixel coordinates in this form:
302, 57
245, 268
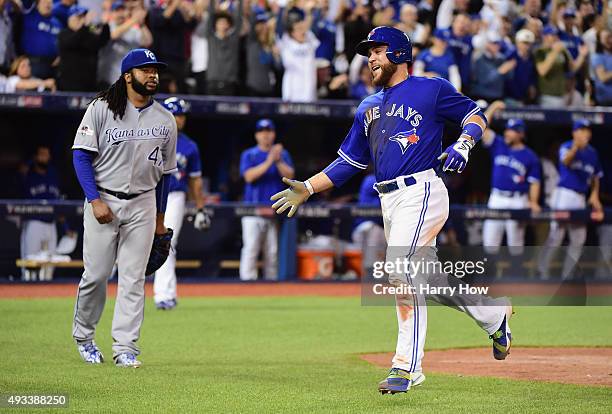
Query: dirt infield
48, 290
582, 366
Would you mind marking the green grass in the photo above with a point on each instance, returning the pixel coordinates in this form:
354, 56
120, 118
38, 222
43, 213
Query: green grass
282, 355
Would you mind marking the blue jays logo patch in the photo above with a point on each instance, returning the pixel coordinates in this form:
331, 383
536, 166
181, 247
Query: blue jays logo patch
405, 139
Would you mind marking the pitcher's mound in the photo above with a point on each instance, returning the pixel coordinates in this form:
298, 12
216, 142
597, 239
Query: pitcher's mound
584, 366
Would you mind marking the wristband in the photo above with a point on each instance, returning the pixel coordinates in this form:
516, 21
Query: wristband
473, 131
309, 187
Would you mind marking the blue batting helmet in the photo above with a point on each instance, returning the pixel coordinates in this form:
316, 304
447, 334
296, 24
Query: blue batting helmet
176, 105
398, 43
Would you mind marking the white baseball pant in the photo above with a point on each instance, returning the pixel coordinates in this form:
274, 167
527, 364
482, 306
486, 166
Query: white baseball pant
413, 216
38, 240
126, 240
259, 233
564, 199
493, 230
164, 284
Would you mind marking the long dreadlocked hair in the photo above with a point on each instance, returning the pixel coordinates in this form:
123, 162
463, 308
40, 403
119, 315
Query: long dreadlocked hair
116, 97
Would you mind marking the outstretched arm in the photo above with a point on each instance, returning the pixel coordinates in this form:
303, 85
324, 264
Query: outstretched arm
489, 135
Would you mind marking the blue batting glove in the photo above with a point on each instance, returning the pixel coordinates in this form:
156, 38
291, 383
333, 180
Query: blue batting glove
456, 156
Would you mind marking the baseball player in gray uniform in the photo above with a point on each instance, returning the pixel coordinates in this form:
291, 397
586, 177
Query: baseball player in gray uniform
124, 149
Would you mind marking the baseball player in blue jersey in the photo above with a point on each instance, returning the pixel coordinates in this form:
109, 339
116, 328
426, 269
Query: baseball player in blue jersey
262, 167
38, 233
399, 130
187, 180
579, 175
515, 182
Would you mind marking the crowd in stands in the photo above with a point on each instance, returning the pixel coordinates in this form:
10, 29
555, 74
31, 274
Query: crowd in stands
557, 54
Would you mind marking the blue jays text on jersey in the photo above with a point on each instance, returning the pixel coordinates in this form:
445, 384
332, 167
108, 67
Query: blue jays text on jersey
513, 169
400, 128
579, 175
188, 163
38, 186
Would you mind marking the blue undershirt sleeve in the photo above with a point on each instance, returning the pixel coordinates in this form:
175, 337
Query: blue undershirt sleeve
83, 166
161, 193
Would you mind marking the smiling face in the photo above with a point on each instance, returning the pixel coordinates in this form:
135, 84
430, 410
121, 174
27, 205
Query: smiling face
381, 68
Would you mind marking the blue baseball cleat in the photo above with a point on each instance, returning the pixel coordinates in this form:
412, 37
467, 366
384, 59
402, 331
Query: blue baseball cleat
166, 304
502, 338
90, 353
127, 360
400, 380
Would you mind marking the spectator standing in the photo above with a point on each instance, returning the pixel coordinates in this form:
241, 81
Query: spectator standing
462, 48
357, 26
601, 69
38, 233
297, 49
39, 33
438, 60
490, 71
325, 30
7, 47
262, 167
410, 25
170, 21
521, 85
263, 58
199, 46
127, 31
578, 51
21, 79
61, 10
553, 61
79, 45
223, 50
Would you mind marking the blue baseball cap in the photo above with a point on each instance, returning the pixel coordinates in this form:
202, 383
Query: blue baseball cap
517, 125
262, 17
442, 34
118, 4
264, 124
569, 12
78, 10
138, 58
581, 123
550, 30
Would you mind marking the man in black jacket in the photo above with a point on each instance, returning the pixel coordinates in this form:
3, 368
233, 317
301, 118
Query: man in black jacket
170, 20
78, 45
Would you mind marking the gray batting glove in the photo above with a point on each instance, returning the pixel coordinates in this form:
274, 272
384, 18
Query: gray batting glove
201, 220
290, 198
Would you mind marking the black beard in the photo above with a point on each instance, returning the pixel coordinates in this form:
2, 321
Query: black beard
385, 76
141, 89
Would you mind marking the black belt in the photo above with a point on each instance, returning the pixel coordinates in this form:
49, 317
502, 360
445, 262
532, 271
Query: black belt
120, 195
384, 188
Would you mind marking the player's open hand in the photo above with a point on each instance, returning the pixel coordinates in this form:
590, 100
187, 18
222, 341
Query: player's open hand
102, 211
456, 156
291, 198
